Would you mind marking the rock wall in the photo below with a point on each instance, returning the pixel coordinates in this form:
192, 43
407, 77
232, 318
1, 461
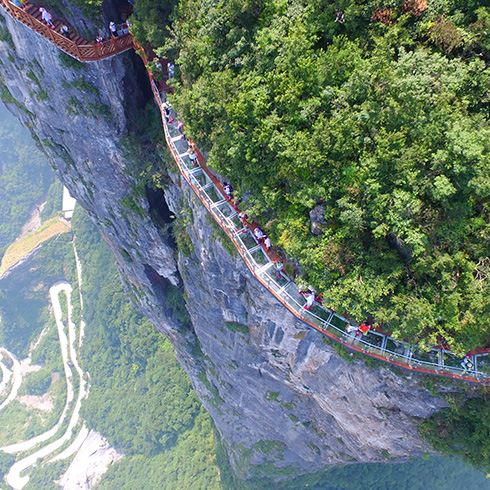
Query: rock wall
280, 394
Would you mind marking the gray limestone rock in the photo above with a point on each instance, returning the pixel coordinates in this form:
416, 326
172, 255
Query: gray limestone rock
317, 218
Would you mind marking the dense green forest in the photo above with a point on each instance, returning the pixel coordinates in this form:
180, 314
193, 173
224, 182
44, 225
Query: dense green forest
376, 112
463, 429
25, 177
140, 397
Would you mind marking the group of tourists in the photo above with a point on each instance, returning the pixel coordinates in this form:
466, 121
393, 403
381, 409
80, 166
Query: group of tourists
117, 30
47, 18
362, 329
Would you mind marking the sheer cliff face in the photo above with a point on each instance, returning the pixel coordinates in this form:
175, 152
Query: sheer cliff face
278, 391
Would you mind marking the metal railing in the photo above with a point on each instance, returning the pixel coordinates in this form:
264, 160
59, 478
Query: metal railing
85, 51
328, 322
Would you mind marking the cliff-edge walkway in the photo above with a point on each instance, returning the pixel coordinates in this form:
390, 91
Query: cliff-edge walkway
373, 344
377, 345
74, 45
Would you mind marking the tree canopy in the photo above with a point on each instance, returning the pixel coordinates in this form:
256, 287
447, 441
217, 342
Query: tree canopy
381, 119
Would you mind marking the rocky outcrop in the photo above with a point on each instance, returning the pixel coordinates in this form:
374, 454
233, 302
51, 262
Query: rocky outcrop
284, 399
318, 221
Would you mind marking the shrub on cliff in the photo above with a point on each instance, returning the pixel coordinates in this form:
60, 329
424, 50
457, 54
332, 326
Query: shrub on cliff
463, 430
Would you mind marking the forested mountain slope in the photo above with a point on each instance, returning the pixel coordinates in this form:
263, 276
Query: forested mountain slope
24, 178
377, 114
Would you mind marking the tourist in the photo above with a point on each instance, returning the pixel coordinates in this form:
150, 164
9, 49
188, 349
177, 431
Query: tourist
351, 329
304, 289
259, 234
467, 363
310, 299
170, 70
228, 190
242, 216
193, 156
180, 127
279, 269
46, 16
267, 243
99, 40
166, 110
113, 29
65, 31
364, 328
235, 203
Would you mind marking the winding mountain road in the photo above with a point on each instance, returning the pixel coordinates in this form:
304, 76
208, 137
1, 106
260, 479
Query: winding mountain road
6, 375
17, 378
27, 445
68, 352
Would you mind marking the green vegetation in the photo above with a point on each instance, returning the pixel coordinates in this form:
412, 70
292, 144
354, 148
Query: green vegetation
6, 461
462, 430
181, 228
24, 177
6, 37
159, 422
37, 383
54, 201
85, 86
434, 473
142, 161
237, 327
382, 120
150, 20
24, 293
68, 62
44, 476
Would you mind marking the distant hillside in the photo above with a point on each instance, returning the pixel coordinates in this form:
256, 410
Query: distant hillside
25, 177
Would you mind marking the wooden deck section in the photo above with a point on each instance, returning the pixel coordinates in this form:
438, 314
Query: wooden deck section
75, 45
